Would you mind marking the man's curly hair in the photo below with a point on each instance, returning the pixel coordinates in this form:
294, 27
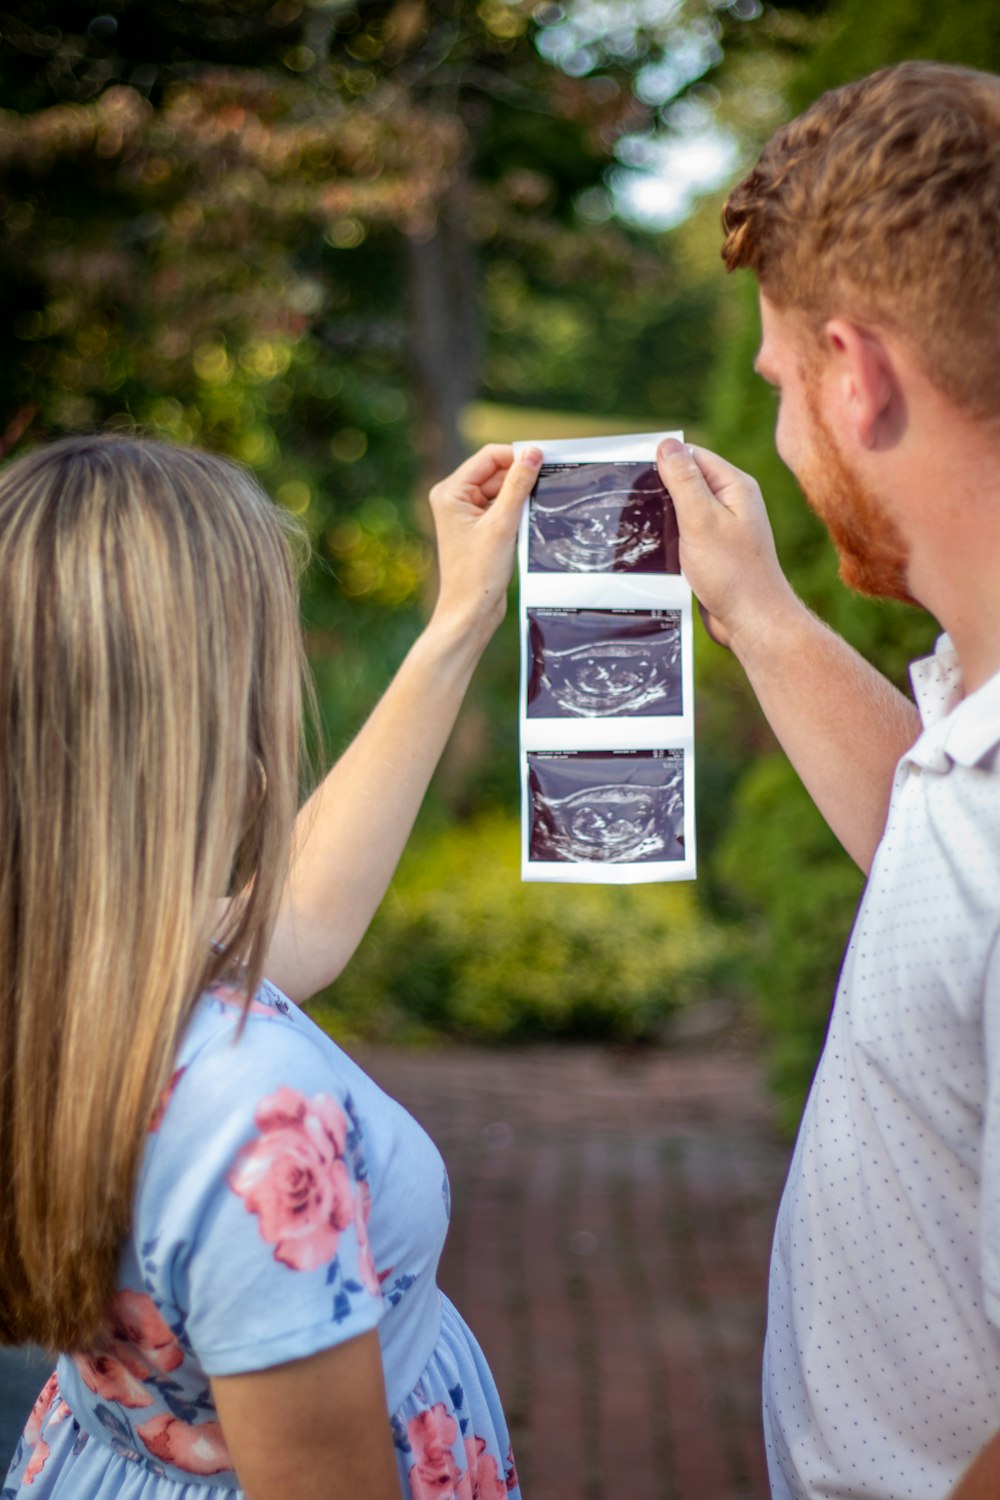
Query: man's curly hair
882, 202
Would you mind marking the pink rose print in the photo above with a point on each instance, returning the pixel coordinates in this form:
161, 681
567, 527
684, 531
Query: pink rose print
484, 1475
163, 1100
140, 1324
294, 1178
196, 1450
435, 1474
36, 1463
366, 1265
40, 1410
116, 1379
512, 1480
231, 994
33, 1430
142, 1343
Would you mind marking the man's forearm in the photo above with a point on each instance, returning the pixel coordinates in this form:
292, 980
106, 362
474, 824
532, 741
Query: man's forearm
840, 722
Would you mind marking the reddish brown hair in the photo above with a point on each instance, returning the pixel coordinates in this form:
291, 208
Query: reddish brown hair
882, 202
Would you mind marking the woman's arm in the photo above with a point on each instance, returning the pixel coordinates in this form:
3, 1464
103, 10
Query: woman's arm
315, 1429
351, 832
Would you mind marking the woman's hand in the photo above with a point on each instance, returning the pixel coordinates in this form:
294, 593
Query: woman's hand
476, 514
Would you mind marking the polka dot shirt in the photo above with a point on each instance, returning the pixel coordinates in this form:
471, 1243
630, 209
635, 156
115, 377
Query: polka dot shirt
882, 1360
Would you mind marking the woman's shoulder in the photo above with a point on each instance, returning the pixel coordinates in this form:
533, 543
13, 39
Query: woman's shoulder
235, 1041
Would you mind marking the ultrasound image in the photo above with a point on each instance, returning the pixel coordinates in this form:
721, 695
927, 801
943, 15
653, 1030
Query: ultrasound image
602, 518
592, 663
617, 809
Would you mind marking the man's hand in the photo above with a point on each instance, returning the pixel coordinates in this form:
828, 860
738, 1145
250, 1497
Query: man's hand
841, 724
727, 548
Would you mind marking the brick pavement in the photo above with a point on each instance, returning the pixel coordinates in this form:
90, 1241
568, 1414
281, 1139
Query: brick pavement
611, 1226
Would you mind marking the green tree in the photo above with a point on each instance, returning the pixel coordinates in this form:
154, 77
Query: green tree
308, 233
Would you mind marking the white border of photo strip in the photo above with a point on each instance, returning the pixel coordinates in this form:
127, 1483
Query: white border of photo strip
641, 591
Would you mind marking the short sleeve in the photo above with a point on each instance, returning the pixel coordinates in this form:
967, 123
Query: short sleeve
990, 1175
252, 1213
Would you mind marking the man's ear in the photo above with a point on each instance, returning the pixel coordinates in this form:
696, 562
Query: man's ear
865, 383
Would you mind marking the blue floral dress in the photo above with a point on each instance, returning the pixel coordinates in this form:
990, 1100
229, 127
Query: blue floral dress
284, 1204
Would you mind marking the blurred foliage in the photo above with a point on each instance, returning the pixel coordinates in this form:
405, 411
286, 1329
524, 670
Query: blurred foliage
770, 852
311, 233
461, 948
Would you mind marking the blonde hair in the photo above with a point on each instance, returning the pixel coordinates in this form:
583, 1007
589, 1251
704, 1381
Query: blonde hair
883, 201
150, 681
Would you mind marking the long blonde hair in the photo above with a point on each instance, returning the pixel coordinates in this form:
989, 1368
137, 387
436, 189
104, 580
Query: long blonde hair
150, 707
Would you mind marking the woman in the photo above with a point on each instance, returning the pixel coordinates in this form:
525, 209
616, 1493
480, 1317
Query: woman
226, 1229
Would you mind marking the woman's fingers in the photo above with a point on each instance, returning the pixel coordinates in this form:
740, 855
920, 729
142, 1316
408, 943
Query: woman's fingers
483, 471
516, 486
491, 476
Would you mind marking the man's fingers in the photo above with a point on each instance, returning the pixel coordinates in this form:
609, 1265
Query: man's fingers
696, 475
717, 473
677, 465
682, 475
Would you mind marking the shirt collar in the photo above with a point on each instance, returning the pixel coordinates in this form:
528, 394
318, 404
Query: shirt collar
957, 730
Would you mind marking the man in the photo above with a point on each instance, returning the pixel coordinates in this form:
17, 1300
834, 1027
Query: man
872, 224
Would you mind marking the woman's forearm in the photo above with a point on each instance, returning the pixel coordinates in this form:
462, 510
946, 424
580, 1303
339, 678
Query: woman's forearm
350, 834
352, 831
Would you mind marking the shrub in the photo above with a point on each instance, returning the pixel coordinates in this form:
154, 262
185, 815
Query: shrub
781, 856
463, 949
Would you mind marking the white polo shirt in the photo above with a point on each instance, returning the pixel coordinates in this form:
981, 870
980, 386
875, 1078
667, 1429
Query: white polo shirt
882, 1360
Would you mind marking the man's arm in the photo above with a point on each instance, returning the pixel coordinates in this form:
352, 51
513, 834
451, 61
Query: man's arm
840, 722
351, 832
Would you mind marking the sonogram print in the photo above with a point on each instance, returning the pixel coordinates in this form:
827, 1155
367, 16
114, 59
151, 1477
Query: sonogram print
600, 663
601, 518
594, 806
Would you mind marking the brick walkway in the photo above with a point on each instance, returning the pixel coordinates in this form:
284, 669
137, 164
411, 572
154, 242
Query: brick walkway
611, 1228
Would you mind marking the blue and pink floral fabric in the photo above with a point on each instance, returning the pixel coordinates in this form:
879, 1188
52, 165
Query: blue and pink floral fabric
285, 1204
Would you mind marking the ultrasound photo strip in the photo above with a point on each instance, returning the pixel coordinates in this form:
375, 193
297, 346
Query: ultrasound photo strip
601, 518
598, 663
606, 705
621, 809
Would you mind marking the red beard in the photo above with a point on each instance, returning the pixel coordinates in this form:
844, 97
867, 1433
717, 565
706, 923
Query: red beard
874, 558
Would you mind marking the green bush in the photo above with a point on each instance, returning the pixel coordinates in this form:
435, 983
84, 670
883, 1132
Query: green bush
782, 856
463, 949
